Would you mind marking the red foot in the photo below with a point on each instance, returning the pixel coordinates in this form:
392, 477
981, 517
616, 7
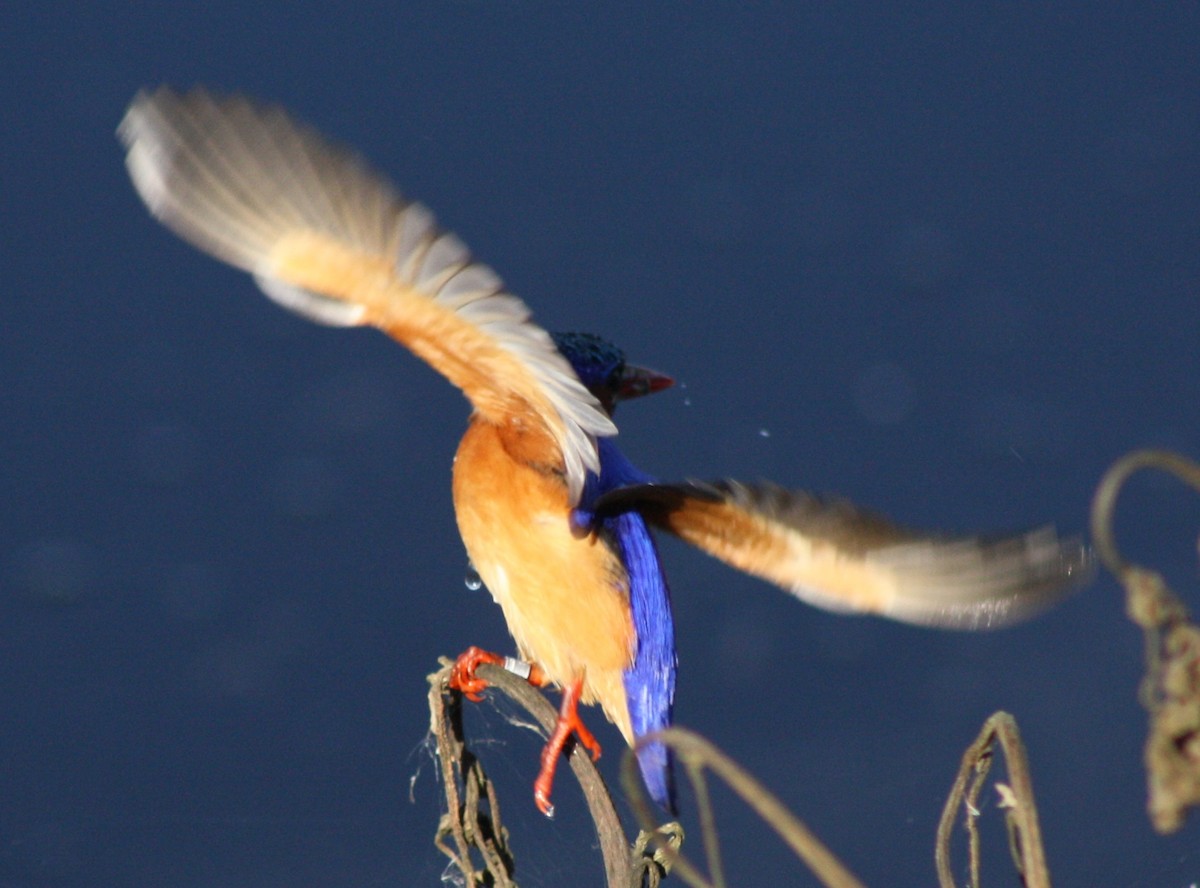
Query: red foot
568, 723
463, 678
462, 674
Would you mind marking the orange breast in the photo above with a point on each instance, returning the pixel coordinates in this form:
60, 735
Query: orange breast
566, 600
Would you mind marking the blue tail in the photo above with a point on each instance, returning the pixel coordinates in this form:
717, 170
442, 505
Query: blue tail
650, 679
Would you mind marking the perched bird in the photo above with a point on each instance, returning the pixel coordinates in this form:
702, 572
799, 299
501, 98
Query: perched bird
554, 518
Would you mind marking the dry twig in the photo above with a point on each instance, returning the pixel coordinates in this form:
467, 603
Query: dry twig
1025, 835
696, 755
1170, 690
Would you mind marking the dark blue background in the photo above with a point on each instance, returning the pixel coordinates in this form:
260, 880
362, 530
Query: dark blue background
943, 262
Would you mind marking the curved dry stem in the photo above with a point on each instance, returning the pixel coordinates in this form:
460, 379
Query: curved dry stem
1025, 834
1170, 690
1104, 502
696, 755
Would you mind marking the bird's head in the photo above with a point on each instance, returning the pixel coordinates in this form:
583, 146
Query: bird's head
601, 367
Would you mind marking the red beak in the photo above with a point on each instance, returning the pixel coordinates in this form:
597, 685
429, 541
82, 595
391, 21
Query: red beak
638, 381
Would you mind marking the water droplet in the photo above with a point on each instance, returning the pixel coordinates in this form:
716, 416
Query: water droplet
472, 580
687, 402
764, 433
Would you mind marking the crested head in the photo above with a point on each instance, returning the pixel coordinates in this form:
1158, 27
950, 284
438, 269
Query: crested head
601, 367
597, 362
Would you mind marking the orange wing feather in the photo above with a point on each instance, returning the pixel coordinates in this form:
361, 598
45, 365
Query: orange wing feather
326, 237
842, 558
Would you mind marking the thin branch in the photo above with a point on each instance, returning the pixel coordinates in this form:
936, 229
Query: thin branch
1021, 817
696, 755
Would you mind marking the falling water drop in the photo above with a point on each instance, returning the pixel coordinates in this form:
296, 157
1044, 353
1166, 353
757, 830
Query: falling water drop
472, 580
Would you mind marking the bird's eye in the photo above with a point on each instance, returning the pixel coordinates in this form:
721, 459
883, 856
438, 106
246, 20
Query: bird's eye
616, 378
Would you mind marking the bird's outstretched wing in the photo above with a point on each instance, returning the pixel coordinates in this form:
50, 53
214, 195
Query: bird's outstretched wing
328, 238
839, 557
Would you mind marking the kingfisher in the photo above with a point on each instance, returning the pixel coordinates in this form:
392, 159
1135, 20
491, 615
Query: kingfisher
554, 518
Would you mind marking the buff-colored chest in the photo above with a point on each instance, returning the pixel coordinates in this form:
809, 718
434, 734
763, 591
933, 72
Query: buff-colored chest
565, 599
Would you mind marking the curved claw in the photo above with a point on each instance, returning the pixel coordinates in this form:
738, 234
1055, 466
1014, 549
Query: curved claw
462, 674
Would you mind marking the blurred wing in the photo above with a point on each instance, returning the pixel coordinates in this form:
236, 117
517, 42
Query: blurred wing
838, 557
326, 237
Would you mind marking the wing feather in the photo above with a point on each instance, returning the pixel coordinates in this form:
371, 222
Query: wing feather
836, 556
326, 237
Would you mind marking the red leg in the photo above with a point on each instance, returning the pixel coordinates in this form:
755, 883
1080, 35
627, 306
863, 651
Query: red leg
463, 678
568, 723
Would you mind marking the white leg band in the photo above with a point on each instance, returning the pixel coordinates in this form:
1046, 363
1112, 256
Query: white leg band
517, 667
